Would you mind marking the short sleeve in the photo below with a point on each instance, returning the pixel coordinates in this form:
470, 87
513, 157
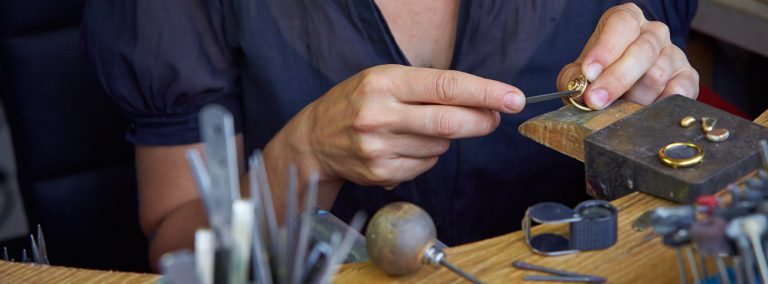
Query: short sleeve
162, 61
677, 14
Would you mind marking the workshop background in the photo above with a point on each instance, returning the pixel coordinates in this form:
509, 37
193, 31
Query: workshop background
62, 152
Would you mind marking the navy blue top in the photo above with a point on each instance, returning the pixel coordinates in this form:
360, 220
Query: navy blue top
162, 60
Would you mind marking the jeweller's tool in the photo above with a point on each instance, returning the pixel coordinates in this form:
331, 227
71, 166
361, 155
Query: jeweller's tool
547, 97
561, 278
754, 227
37, 249
735, 231
592, 226
564, 275
401, 238
246, 231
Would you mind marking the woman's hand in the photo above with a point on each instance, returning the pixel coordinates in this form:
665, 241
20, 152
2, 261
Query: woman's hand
629, 56
390, 123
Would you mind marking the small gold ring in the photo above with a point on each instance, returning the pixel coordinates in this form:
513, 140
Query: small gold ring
578, 105
681, 162
578, 84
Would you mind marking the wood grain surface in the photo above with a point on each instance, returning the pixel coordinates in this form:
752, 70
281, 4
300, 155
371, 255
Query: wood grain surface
635, 258
12, 272
564, 130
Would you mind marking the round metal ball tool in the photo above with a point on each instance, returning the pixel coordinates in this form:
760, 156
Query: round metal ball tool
401, 238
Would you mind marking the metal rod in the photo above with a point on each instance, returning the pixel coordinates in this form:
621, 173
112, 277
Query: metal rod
35, 252
462, 273
681, 266
562, 278
290, 220
547, 97
528, 266
747, 262
724, 278
41, 245
692, 264
261, 269
304, 233
738, 269
266, 200
703, 261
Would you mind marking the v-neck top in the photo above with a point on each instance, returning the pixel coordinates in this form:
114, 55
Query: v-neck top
161, 61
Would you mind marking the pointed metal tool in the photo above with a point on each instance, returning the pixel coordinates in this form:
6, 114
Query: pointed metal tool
548, 97
24, 257
261, 269
305, 221
5, 254
41, 245
565, 276
35, 252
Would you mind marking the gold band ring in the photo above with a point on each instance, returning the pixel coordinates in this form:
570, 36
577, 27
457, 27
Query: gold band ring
678, 162
578, 84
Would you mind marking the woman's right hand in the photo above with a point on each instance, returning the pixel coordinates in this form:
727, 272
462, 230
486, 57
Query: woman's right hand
390, 123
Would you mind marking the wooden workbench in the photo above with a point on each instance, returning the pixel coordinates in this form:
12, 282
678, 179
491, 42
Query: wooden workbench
634, 259
637, 257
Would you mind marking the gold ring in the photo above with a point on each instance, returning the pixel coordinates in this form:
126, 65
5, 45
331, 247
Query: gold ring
578, 84
681, 162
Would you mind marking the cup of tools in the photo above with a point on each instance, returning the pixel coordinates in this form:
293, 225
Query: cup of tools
592, 226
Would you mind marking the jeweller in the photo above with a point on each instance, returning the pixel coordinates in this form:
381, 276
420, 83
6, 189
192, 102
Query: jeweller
687, 121
718, 135
577, 100
708, 123
681, 154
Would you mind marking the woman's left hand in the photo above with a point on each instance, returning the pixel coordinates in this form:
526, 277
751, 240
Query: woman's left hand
630, 57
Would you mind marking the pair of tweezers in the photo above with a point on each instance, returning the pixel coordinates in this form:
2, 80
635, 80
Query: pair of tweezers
560, 275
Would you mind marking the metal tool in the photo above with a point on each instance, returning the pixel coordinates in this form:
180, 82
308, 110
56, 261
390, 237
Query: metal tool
562, 275
560, 278
246, 231
592, 226
754, 227
550, 96
38, 252
736, 232
401, 238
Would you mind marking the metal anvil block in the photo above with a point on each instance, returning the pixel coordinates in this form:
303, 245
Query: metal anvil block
623, 157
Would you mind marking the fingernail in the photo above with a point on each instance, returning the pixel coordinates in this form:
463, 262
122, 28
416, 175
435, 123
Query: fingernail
513, 101
598, 98
593, 71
